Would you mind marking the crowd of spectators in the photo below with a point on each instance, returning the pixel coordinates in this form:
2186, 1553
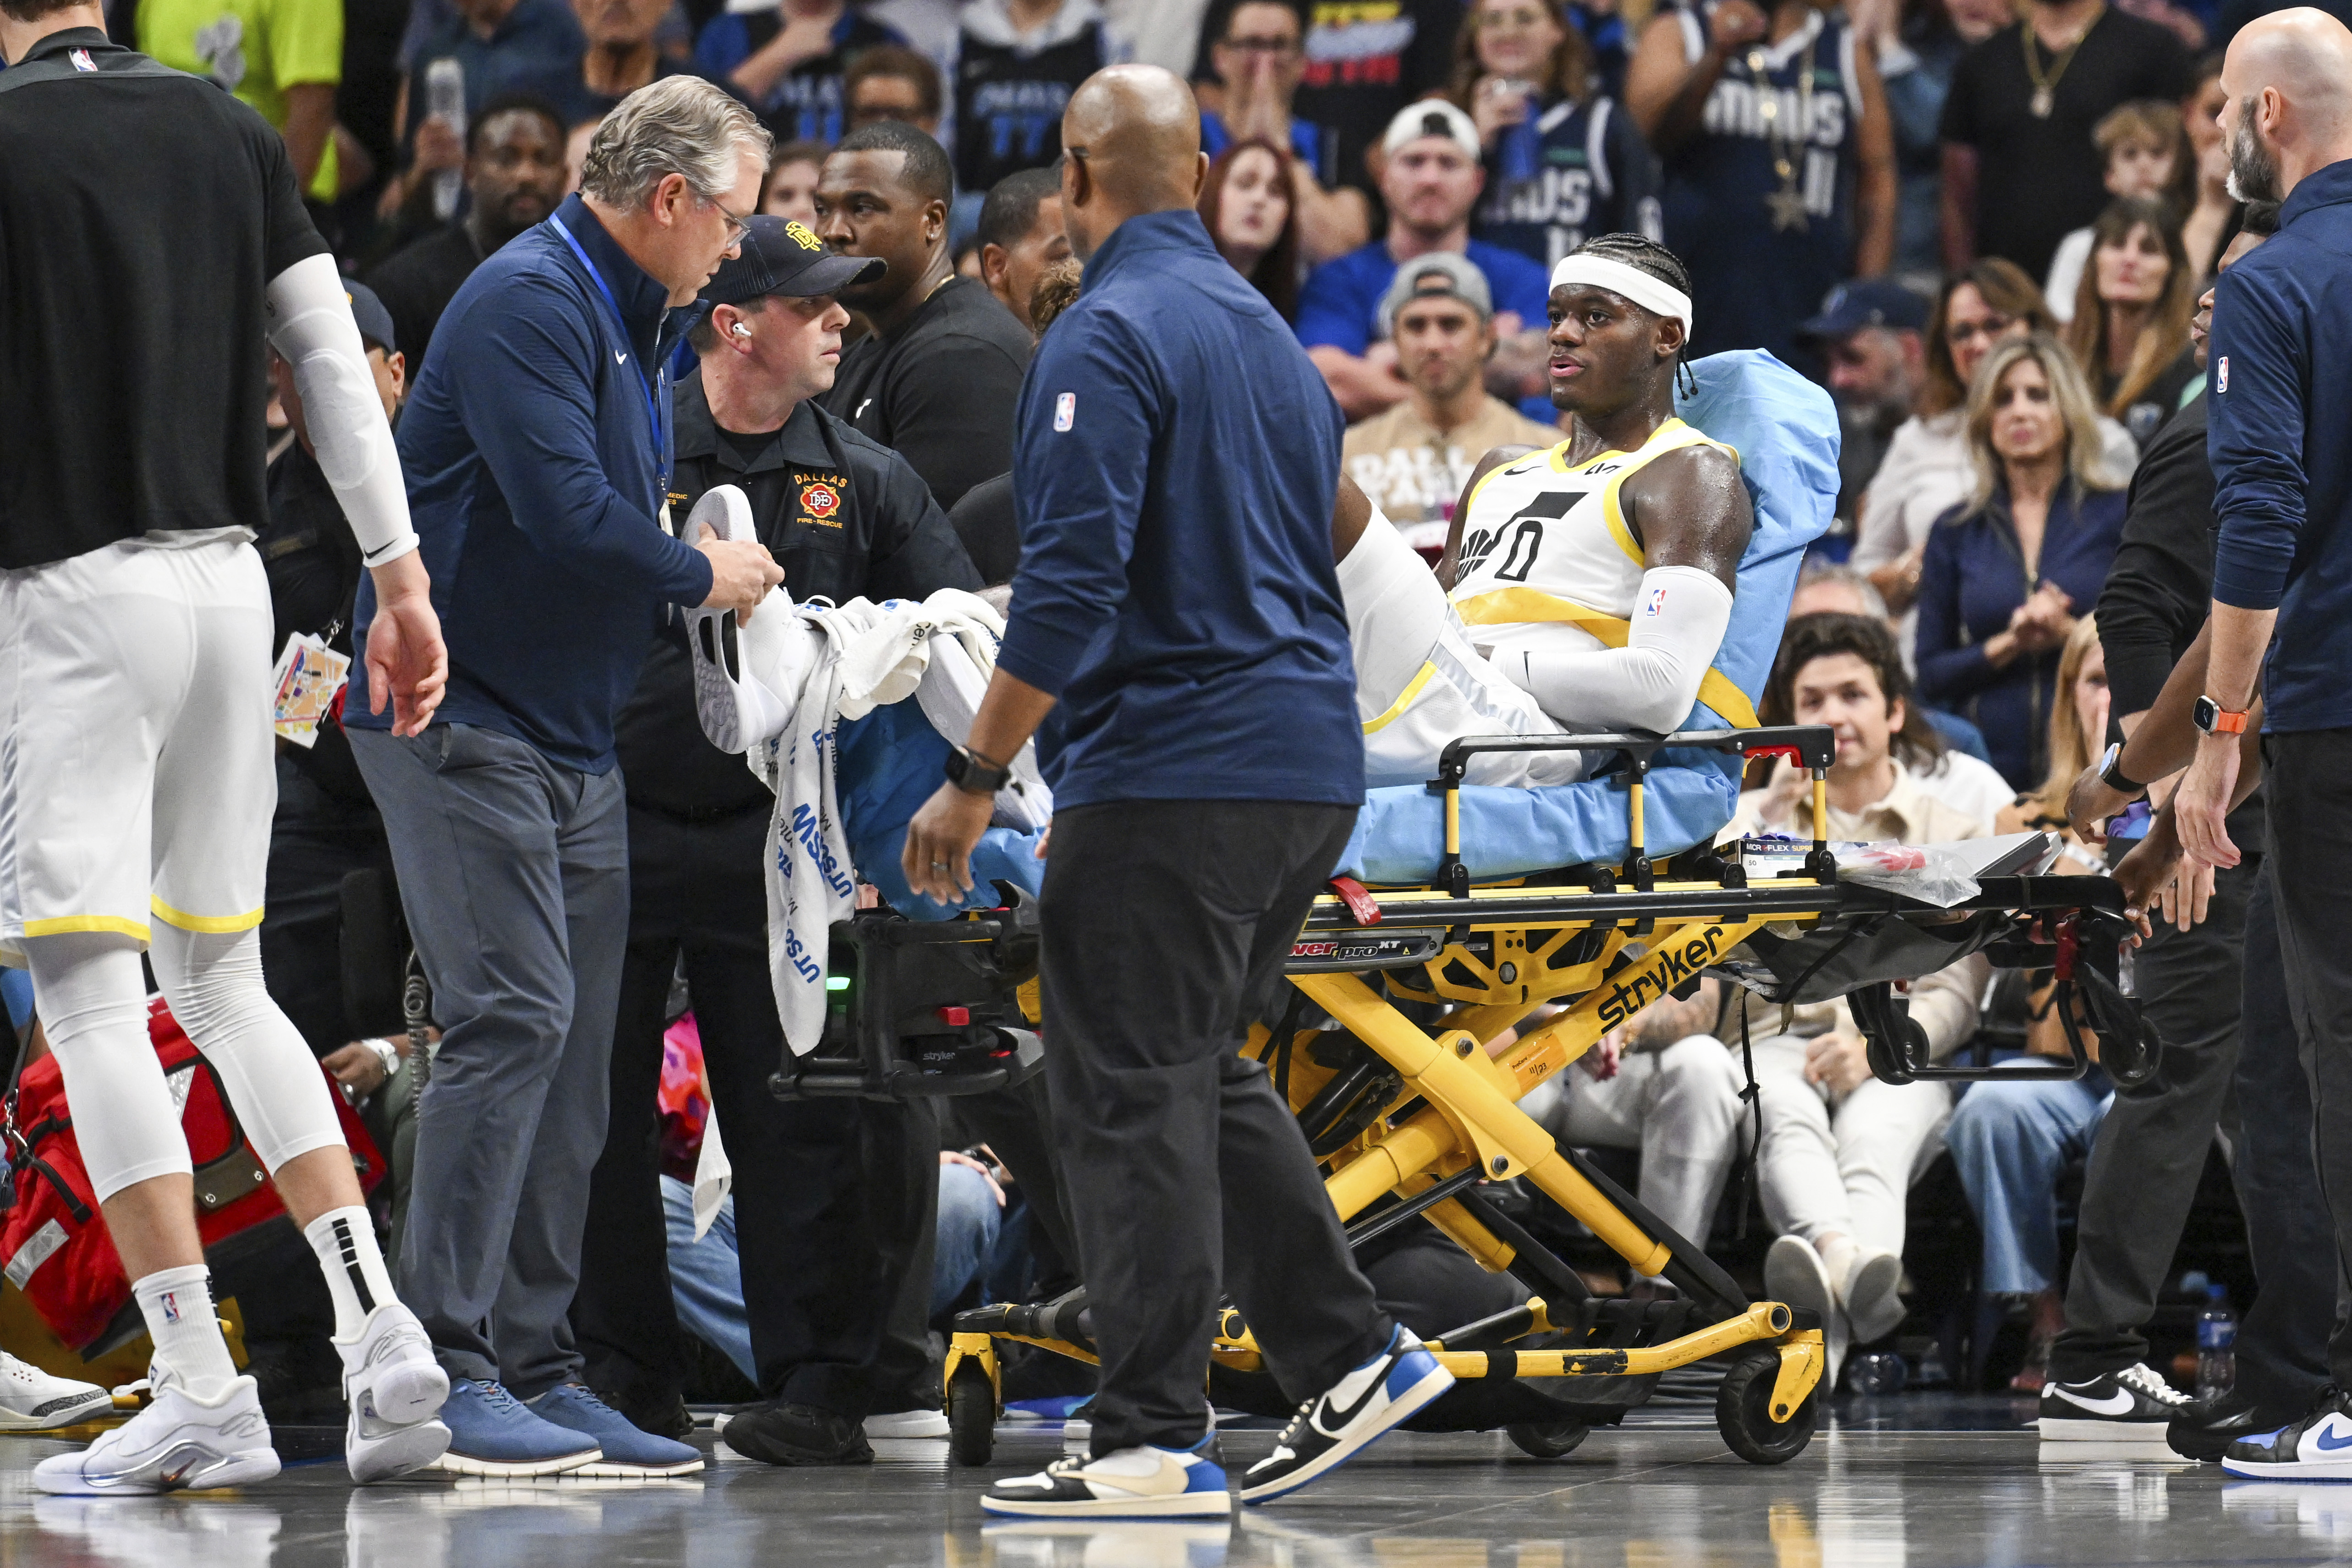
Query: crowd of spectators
1985, 229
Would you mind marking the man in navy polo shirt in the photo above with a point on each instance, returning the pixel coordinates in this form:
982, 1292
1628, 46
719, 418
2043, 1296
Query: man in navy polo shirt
1178, 613
536, 448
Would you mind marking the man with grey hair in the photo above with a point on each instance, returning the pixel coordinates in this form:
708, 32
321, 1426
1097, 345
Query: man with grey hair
538, 451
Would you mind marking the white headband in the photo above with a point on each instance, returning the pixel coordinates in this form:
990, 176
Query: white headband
1600, 272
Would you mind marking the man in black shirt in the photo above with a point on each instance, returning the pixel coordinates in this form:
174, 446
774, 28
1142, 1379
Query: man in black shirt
135, 783
829, 1195
938, 377
2218, 995
2020, 171
515, 174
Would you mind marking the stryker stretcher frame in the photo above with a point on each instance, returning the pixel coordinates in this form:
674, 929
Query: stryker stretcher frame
1429, 1116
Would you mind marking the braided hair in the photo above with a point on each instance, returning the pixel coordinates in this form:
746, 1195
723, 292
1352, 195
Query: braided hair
1646, 255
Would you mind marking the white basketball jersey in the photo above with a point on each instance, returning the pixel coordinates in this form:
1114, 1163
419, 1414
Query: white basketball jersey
1540, 532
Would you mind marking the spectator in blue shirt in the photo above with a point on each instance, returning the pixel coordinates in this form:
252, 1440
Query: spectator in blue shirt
1429, 178
1177, 602
2006, 574
1260, 60
537, 450
2279, 406
788, 61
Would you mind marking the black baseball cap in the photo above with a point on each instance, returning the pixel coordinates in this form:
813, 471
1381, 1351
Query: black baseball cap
374, 322
1872, 302
782, 256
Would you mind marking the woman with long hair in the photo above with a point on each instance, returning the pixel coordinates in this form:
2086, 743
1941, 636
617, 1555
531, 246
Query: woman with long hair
2130, 331
1246, 206
2213, 210
1564, 161
1927, 470
2005, 572
2078, 733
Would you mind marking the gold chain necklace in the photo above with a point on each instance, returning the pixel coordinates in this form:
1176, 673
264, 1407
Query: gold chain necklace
1787, 203
2045, 87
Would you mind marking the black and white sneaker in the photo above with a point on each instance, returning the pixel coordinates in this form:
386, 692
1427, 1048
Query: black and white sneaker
1348, 1418
1133, 1483
2133, 1405
2316, 1447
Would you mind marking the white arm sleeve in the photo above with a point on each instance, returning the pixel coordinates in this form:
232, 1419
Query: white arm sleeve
311, 326
1652, 682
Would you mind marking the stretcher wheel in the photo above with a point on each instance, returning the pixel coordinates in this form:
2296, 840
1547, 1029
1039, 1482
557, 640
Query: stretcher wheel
1743, 1413
1886, 1065
971, 1414
1547, 1439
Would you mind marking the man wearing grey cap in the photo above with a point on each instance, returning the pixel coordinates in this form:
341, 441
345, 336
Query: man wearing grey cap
1414, 460
831, 1196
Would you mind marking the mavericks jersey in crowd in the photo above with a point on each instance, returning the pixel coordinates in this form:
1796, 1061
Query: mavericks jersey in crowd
1759, 201
1010, 89
1568, 173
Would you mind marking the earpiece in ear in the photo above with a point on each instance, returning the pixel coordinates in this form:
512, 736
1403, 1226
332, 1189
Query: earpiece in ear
740, 330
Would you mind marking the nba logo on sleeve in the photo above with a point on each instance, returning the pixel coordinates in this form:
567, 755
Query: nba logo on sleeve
1655, 605
1065, 410
2221, 374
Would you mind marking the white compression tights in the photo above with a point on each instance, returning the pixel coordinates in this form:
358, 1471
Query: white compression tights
92, 1000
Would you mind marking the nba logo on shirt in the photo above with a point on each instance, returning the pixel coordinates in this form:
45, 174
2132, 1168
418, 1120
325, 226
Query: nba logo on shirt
1065, 410
1655, 605
2221, 374
81, 62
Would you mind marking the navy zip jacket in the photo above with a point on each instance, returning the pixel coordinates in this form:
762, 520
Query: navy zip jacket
2279, 430
1175, 460
1972, 577
534, 459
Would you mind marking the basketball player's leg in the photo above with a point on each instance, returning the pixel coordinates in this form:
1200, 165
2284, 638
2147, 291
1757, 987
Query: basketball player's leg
215, 789
94, 653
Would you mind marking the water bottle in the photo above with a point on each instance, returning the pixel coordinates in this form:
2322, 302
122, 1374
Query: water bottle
444, 99
1875, 1372
2217, 1340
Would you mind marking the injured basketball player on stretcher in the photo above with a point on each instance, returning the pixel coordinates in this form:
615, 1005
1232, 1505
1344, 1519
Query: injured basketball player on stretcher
1584, 588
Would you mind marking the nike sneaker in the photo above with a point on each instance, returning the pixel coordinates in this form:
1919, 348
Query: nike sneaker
178, 1442
395, 1391
2204, 1428
2318, 1447
1348, 1418
2133, 1405
739, 711
32, 1401
1133, 1483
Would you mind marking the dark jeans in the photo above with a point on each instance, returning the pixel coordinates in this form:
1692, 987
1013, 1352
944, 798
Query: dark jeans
514, 874
830, 1195
2282, 1340
315, 840
2307, 778
2150, 1151
1165, 927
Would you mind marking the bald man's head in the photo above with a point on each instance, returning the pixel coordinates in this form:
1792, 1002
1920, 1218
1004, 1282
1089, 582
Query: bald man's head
2289, 79
1131, 141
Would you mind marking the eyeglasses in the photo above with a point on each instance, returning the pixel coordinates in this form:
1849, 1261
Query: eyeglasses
1989, 329
736, 227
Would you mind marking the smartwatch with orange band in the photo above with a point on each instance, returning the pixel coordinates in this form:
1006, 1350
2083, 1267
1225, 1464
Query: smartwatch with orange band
2215, 719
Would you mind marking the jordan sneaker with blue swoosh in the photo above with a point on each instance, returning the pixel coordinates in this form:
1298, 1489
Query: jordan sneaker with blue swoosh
1348, 1418
2133, 1405
2316, 1448
1133, 1483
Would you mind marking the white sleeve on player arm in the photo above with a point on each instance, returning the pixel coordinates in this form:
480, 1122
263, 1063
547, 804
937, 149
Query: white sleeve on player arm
1652, 682
311, 328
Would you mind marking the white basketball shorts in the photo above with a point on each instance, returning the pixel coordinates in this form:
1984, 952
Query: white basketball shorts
1420, 683
137, 767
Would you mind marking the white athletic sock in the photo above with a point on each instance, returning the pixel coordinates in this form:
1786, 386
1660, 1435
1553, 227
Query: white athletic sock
344, 1240
178, 1306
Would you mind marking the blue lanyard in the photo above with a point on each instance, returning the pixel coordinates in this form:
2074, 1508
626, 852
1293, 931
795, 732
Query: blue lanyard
654, 389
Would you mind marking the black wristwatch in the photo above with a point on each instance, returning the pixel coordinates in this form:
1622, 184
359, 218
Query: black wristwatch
967, 771
2111, 774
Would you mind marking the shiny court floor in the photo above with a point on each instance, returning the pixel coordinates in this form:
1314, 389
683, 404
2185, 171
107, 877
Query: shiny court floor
1918, 1482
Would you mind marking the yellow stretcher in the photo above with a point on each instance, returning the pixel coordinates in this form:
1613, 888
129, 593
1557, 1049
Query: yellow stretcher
1424, 1117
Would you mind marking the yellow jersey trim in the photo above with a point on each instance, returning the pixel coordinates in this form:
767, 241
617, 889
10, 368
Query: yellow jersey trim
67, 925
1512, 607
1412, 691
206, 925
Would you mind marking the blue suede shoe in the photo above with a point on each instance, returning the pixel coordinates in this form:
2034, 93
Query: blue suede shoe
492, 1433
627, 1451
